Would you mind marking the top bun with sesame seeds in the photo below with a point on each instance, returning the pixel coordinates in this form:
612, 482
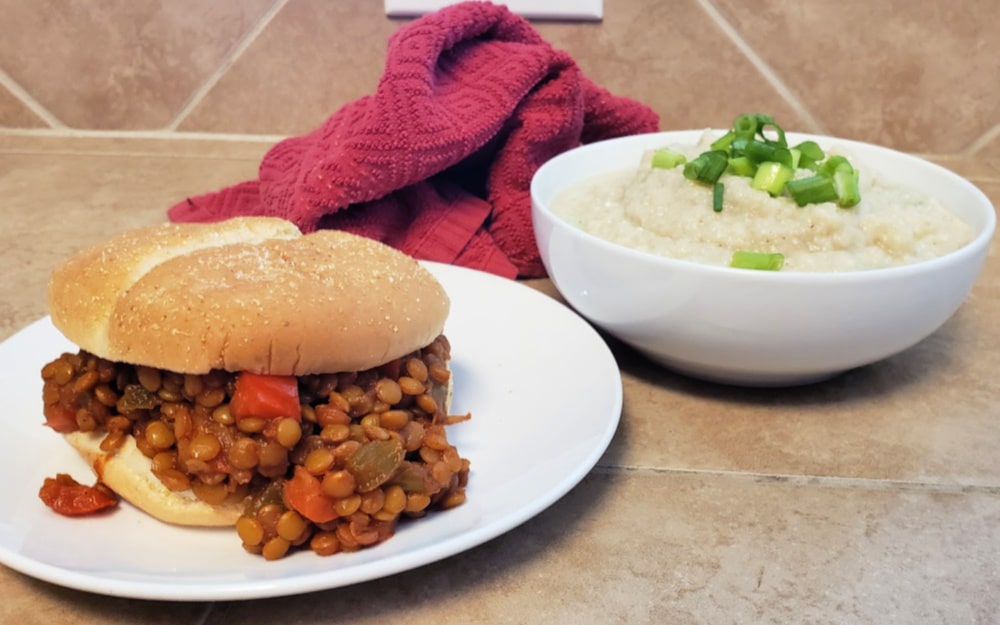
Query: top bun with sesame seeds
246, 294
213, 356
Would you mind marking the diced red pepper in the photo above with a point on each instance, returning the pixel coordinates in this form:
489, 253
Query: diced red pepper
304, 493
266, 397
70, 498
60, 418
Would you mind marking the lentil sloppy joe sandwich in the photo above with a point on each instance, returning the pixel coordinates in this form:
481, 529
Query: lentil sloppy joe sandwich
242, 373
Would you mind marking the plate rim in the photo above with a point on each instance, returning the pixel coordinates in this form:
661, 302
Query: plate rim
378, 568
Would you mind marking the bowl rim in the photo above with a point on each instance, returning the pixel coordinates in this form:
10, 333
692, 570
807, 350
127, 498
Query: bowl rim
975, 247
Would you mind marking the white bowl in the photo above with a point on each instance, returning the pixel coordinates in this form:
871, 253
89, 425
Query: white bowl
756, 328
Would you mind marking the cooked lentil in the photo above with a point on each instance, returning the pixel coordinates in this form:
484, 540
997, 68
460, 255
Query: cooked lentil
374, 440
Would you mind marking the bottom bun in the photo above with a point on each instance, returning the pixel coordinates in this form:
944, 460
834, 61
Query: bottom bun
128, 472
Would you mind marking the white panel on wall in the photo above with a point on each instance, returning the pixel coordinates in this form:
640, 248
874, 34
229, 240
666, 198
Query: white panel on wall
587, 10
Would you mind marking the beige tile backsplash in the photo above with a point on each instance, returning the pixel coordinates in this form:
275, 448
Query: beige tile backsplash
871, 498
915, 76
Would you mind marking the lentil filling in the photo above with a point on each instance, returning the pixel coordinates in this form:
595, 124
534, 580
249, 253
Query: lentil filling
368, 448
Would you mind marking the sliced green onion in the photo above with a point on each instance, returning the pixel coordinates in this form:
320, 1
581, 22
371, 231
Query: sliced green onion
780, 140
771, 177
742, 166
717, 192
764, 119
832, 164
766, 261
812, 190
665, 158
845, 180
724, 142
796, 157
707, 167
784, 156
763, 122
739, 145
760, 152
756, 147
811, 154
745, 126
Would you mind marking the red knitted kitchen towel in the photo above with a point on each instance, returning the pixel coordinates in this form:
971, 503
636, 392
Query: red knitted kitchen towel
438, 162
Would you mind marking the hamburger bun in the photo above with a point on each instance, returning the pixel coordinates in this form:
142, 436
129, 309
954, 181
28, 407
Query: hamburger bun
247, 294
128, 472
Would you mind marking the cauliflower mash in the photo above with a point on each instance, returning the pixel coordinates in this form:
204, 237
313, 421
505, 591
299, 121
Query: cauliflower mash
661, 212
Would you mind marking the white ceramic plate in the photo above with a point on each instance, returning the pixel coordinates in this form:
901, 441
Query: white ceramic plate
543, 389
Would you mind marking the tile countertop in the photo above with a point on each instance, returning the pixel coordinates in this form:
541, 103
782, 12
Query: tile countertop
870, 498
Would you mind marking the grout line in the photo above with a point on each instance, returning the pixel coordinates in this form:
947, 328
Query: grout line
131, 154
74, 133
812, 480
27, 100
203, 617
766, 70
984, 139
165, 135
226, 64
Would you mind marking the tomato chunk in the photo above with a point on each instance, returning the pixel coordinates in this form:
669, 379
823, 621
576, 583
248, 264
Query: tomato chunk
70, 498
304, 493
266, 396
60, 418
